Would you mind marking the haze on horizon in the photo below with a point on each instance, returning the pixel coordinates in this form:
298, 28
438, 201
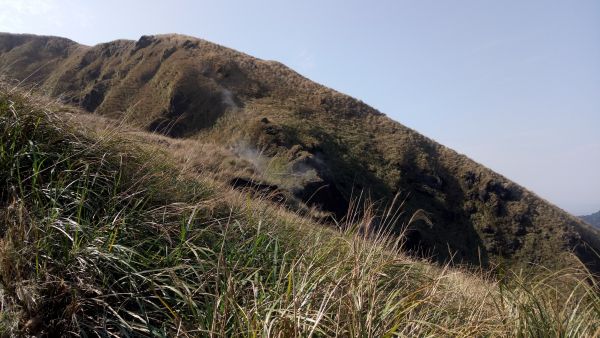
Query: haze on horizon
514, 85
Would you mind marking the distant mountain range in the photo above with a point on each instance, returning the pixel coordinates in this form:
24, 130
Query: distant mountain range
593, 219
323, 148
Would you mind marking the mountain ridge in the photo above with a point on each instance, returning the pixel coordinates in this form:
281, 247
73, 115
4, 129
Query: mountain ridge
189, 88
593, 219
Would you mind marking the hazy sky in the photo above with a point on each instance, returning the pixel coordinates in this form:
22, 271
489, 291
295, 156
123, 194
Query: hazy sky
515, 85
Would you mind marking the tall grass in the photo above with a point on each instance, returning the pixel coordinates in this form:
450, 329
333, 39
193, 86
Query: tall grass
101, 238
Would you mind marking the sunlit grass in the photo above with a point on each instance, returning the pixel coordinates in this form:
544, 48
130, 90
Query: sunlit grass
100, 237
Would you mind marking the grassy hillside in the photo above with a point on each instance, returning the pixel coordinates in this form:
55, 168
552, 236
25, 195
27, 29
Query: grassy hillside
593, 219
103, 233
268, 129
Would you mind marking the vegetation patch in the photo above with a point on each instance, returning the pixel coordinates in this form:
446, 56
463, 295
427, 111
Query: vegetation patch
99, 237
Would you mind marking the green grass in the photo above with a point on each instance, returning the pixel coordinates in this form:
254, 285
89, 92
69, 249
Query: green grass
101, 237
209, 95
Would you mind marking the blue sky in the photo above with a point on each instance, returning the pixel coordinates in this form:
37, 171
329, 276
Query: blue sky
513, 84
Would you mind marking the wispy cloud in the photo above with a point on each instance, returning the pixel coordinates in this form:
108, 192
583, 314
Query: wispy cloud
20, 15
31, 7
14, 14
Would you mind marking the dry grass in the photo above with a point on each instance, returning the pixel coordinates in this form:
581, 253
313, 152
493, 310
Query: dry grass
101, 237
190, 88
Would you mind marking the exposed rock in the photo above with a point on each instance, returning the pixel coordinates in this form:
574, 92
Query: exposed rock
189, 44
143, 42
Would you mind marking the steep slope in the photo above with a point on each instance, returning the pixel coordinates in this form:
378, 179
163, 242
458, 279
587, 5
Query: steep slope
593, 219
326, 147
102, 235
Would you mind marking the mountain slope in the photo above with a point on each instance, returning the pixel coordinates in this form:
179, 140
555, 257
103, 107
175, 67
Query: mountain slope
593, 219
103, 234
326, 147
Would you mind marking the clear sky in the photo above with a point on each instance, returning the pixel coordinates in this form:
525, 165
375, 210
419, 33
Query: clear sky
513, 84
